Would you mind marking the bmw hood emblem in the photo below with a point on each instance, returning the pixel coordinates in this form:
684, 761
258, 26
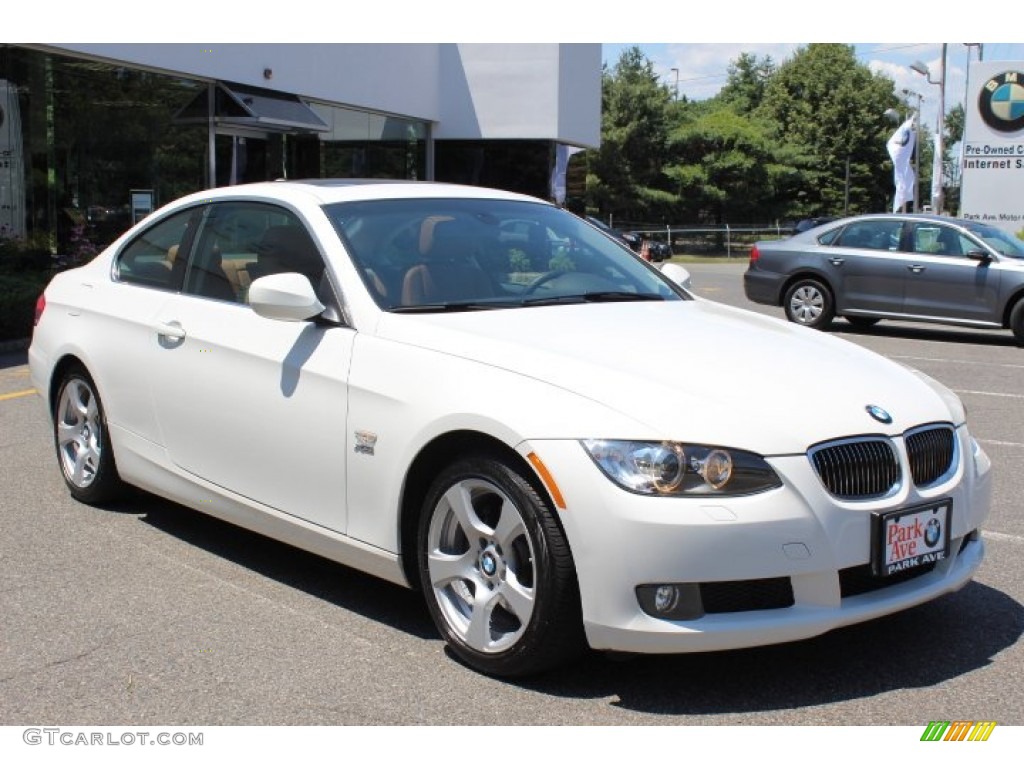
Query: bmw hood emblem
878, 414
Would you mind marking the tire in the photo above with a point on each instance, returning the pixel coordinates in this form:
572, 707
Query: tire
809, 303
861, 322
81, 440
496, 571
1017, 321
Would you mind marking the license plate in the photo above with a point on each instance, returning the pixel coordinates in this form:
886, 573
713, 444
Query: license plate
908, 538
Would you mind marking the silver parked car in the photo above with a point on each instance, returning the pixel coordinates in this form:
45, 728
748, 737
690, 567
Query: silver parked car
896, 267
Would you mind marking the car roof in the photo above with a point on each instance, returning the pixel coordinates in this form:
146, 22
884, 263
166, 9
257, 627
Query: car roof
931, 217
326, 191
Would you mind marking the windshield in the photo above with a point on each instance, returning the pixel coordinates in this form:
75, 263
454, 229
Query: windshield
1002, 242
427, 255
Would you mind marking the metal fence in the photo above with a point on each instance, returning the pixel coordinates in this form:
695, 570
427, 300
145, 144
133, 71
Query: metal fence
725, 241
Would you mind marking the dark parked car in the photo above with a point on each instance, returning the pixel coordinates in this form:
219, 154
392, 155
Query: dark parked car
632, 239
658, 250
915, 267
804, 224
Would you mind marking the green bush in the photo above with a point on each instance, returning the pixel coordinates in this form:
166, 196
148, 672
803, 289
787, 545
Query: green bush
18, 294
17, 256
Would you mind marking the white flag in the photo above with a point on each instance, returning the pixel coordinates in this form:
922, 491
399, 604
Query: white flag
901, 149
562, 155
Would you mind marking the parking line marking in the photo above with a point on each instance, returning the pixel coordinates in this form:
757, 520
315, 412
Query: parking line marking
957, 362
1001, 442
1001, 536
988, 394
22, 393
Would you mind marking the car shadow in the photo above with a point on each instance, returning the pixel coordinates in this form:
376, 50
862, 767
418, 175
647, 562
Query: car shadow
993, 338
918, 648
332, 582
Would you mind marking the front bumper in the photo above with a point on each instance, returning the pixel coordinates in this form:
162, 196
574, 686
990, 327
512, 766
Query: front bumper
797, 533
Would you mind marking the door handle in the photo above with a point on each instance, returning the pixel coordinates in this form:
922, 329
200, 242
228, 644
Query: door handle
171, 330
836, 261
917, 269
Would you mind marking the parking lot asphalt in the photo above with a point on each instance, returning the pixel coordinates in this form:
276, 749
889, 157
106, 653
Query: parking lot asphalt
149, 613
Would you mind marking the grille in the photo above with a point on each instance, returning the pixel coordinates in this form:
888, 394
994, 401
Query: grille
931, 453
860, 579
857, 469
747, 595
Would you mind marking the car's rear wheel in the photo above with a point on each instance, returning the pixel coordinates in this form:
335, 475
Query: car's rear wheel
80, 436
808, 302
496, 570
1017, 320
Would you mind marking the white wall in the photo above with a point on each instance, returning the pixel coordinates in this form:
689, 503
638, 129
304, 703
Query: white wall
470, 91
524, 91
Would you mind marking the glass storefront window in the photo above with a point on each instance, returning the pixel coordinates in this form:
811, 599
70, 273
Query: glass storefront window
89, 134
365, 145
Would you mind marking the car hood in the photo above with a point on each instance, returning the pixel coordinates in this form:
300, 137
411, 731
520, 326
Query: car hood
694, 371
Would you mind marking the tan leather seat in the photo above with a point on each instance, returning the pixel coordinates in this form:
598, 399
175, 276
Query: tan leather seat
447, 272
287, 248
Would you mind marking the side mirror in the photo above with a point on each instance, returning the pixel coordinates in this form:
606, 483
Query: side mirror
983, 256
678, 274
285, 296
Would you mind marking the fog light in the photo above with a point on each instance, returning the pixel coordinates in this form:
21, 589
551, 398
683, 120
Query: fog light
675, 602
666, 597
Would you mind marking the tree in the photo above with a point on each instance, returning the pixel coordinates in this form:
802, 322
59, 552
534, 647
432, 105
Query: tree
954, 125
748, 80
832, 107
728, 167
625, 177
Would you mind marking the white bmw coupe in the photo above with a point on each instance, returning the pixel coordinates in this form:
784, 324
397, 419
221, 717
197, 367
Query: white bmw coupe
482, 396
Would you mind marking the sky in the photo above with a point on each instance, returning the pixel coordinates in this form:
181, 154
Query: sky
703, 67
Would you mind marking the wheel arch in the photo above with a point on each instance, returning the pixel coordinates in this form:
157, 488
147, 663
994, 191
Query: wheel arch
431, 459
1015, 297
65, 364
805, 274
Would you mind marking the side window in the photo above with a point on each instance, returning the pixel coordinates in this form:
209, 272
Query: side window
939, 240
241, 242
878, 235
150, 259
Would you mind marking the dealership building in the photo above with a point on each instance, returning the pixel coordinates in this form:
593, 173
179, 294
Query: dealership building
93, 137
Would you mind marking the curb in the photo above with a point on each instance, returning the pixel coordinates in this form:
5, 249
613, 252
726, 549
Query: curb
15, 345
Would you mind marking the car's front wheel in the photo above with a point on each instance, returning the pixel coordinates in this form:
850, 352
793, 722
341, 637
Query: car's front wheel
809, 302
83, 446
496, 570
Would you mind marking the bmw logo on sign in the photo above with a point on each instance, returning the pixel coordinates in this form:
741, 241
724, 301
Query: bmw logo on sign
1001, 102
878, 414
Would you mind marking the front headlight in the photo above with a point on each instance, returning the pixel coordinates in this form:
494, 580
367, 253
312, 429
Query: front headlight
675, 469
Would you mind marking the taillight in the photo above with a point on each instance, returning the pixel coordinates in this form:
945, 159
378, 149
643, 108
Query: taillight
754, 254
40, 306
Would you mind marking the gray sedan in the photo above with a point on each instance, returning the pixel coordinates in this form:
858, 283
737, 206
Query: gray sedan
896, 267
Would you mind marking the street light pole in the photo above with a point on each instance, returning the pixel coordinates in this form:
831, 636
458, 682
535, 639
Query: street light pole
922, 69
676, 70
917, 150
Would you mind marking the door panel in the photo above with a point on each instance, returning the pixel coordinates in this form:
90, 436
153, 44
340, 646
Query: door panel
943, 282
873, 269
253, 405
256, 406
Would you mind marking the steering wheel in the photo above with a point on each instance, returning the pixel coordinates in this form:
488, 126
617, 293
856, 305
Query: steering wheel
542, 280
